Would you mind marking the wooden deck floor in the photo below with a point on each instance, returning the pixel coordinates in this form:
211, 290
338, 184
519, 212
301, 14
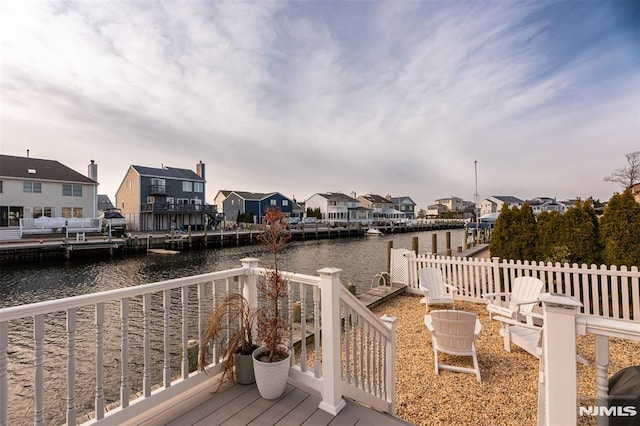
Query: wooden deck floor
242, 405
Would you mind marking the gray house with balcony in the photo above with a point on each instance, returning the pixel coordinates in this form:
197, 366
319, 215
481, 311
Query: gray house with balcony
161, 199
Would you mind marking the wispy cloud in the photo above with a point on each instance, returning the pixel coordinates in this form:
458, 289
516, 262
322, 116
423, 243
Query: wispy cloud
304, 97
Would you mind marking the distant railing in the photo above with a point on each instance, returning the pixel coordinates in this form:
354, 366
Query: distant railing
45, 225
163, 208
608, 292
136, 341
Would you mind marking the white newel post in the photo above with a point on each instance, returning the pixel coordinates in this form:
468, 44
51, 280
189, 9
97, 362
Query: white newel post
390, 364
602, 375
559, 354
250, 290
330, 284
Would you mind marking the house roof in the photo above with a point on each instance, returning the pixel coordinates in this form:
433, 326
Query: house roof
378, 199
39, 169
508, 199
406, 200
254, 196
168, 172
104, 202
336, 196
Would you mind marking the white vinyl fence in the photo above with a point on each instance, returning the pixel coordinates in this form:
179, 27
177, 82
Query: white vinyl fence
607, 292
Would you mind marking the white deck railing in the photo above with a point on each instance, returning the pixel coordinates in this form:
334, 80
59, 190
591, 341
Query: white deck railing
136, 339
607, 292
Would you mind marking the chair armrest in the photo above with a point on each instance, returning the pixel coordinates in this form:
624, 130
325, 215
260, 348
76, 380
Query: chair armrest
494, 295
524, 302
510, 321
429, 323
452, 288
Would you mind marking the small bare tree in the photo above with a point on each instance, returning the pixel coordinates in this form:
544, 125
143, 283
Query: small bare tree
628, 175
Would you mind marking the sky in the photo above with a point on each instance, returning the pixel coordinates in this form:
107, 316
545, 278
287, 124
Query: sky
301, 97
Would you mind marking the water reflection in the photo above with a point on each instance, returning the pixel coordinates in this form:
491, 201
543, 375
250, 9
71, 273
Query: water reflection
359, 258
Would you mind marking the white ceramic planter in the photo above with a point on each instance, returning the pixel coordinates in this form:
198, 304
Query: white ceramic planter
271, 377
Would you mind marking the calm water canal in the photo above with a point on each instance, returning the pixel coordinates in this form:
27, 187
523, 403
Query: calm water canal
359, 258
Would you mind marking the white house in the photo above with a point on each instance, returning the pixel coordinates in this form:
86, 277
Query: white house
453, 204
34, 187
336, 206
494, 203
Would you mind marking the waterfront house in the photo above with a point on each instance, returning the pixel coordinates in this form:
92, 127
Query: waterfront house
406, 205
32, 188
339, 207
436, 209
494, 203
382, 207
236, 203
161, 199
546, 204
453, 204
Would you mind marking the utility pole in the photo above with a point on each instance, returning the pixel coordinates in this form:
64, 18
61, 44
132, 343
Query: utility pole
477, 201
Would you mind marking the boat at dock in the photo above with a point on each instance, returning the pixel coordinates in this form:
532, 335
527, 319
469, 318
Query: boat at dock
373, 232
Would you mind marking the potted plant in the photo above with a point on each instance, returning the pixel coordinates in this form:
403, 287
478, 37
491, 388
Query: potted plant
271, 361
231, 324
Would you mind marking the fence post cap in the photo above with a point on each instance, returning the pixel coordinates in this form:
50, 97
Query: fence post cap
557, 300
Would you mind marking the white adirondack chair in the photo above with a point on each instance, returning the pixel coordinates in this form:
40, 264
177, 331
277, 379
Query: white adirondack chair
520, 301
526, 335
436, 291
454, 332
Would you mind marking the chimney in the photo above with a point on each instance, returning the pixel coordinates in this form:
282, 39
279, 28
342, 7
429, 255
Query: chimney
200, 169
27, 153
93, 171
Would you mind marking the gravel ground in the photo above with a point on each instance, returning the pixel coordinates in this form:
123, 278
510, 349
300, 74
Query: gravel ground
508, 394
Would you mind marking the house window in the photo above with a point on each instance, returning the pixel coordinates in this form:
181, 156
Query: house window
15, 214
157, 181
69, 212
69, 190
35, 187
285, 202
274, 202
183, 201
198, 187
187, 186
151, 200
0, 187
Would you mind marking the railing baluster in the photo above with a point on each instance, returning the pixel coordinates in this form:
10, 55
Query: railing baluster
185, 329
361, 372
4, 385
358, 353
71, 366
347, 352
166, 329
316, 331
290, 320
201, 319
303, 328
38, 336
99, 323
124, 351
146, 375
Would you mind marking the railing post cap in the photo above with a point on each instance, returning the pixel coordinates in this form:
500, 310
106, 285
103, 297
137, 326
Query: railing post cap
556, 300
389, 318
249, 261
329, 271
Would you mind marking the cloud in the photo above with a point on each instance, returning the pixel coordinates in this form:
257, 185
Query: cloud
383, 97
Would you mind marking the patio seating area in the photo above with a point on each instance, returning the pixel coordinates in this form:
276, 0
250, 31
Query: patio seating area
508, 394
